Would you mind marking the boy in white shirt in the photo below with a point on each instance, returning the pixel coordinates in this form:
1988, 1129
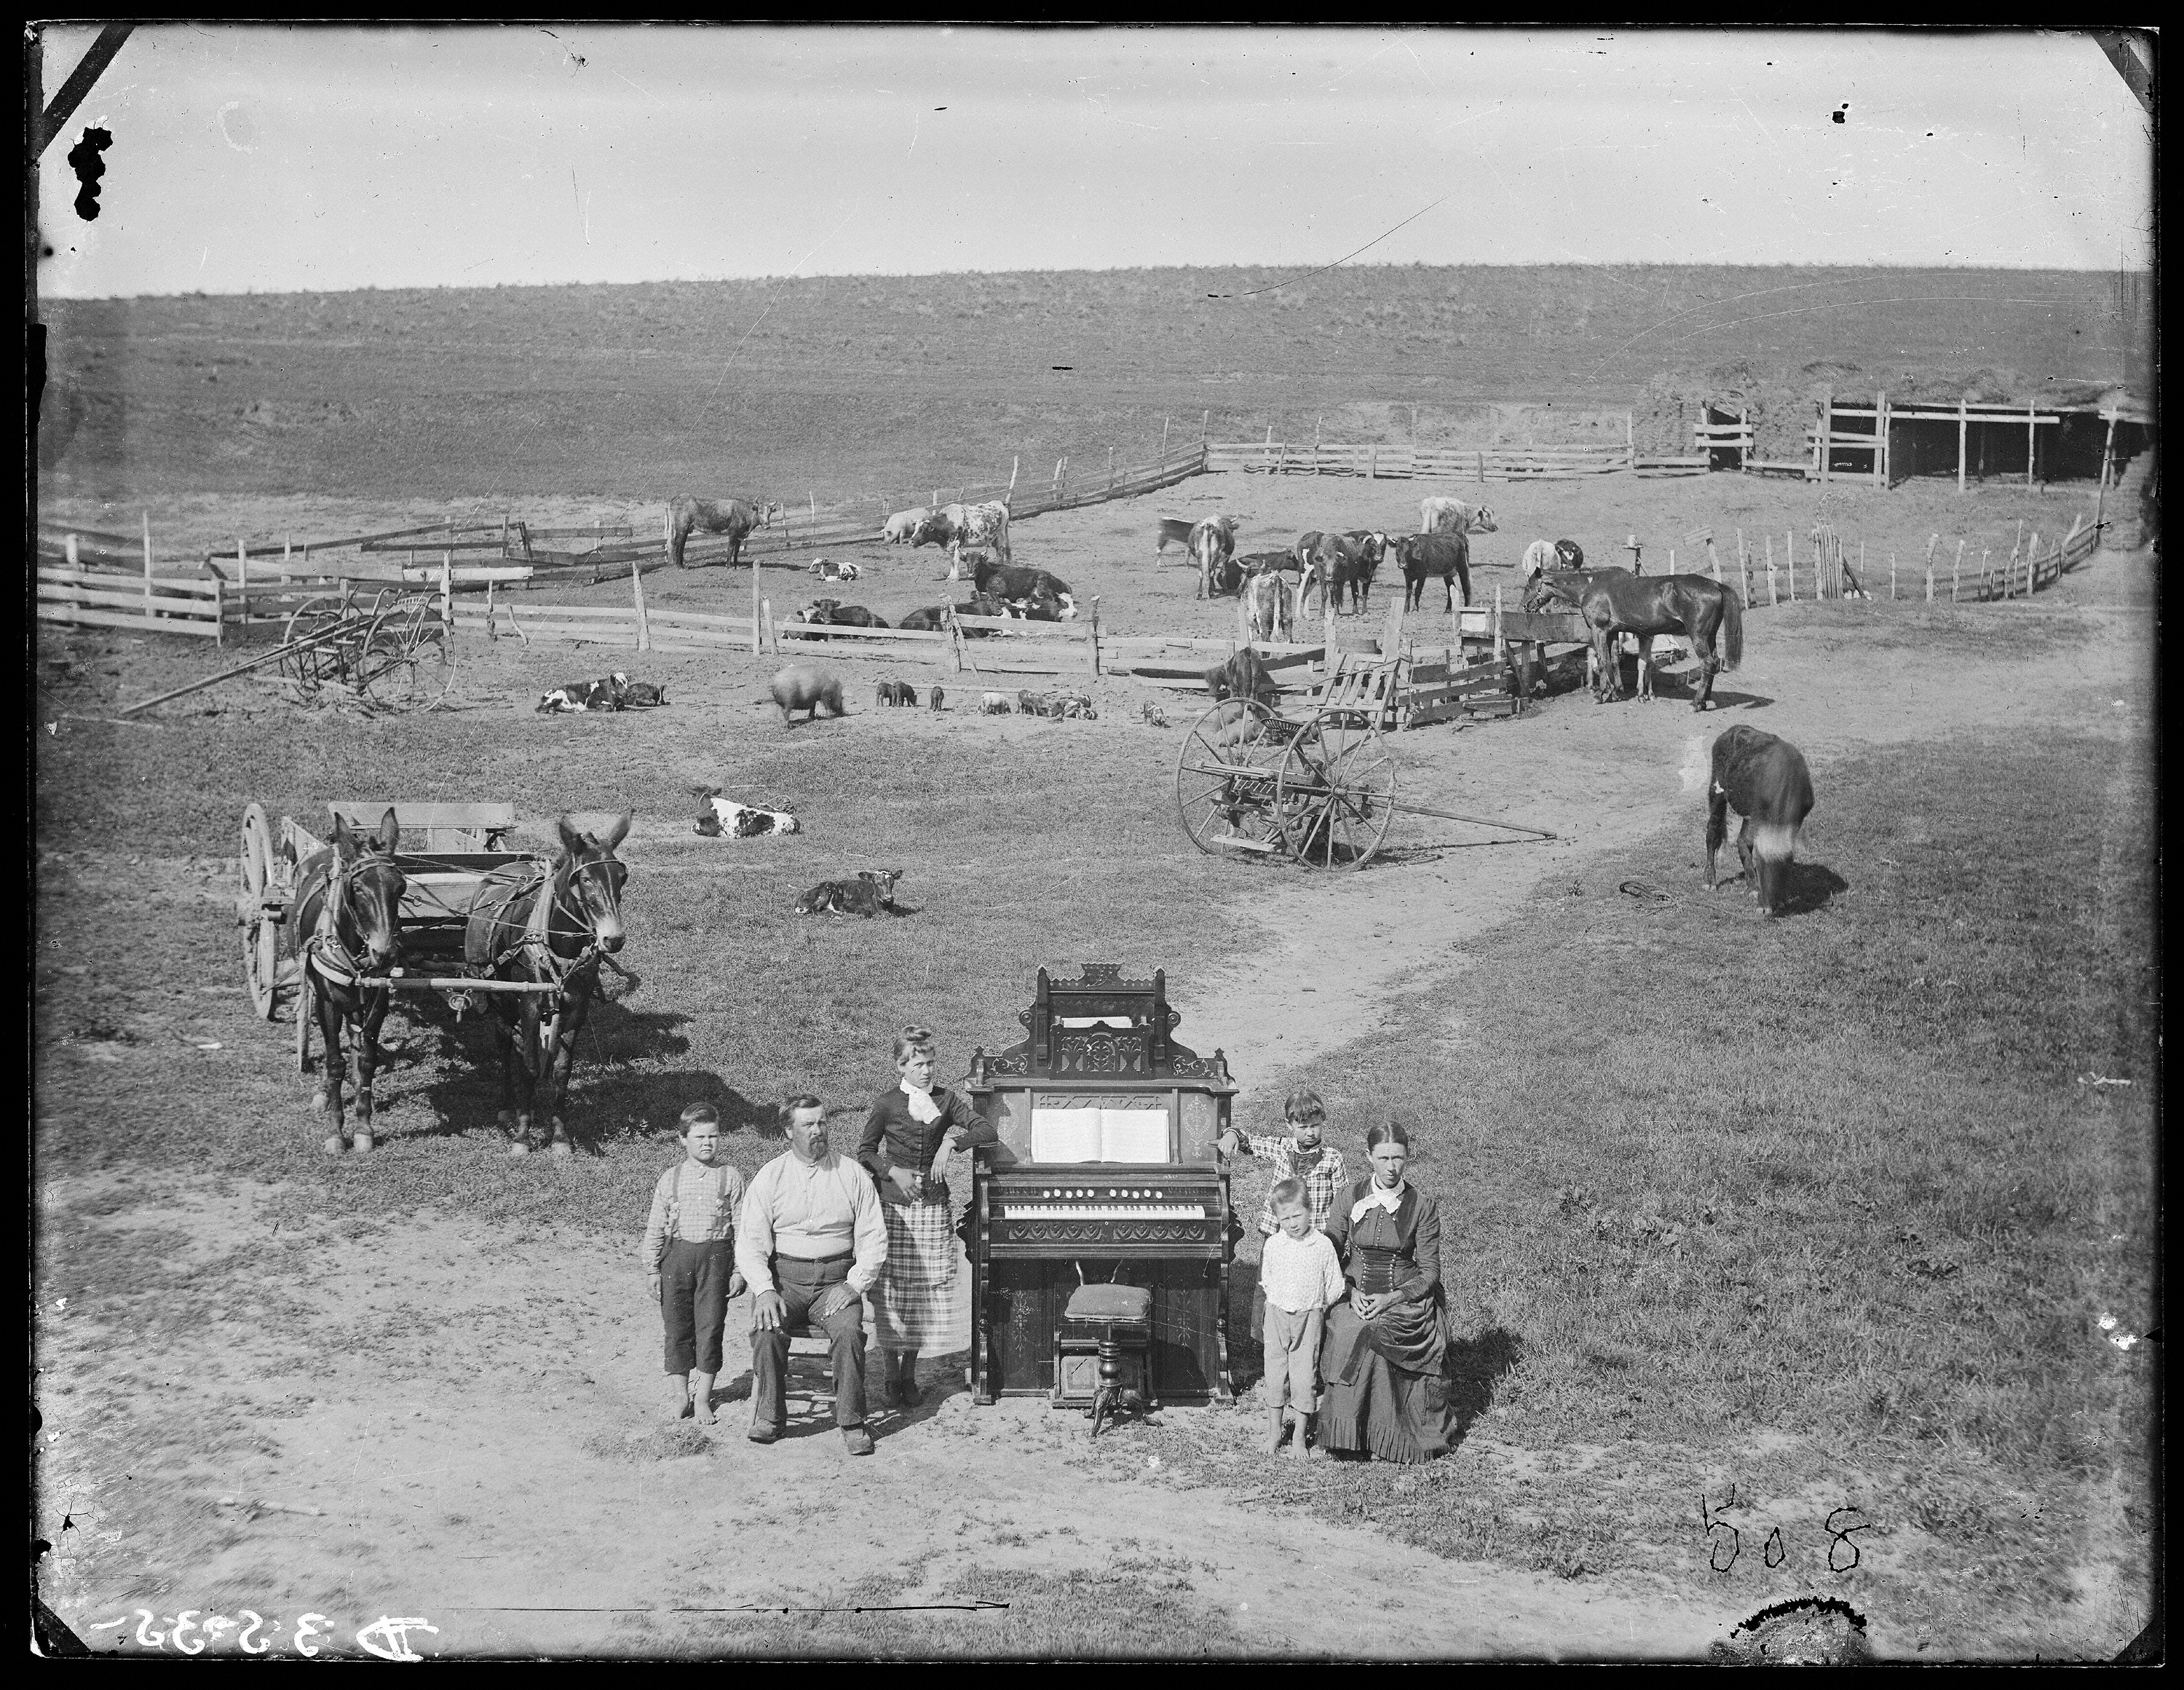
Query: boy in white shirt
1300, 1276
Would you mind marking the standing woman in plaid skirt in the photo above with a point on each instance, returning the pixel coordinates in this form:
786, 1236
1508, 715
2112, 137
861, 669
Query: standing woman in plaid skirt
910, 1124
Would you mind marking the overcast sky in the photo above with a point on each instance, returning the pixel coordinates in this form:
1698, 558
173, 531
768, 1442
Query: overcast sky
277, 160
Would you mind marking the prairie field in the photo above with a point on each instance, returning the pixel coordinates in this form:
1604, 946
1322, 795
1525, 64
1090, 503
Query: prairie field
1779, 1250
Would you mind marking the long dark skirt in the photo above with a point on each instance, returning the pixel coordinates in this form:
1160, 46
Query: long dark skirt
1385, 1393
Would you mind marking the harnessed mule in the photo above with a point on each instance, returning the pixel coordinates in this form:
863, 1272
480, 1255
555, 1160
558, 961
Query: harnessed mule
348, 903
547, 928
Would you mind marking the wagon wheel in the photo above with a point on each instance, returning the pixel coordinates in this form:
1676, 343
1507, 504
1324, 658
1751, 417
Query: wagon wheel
260, 934
1225, 777
1336, 797
396, 640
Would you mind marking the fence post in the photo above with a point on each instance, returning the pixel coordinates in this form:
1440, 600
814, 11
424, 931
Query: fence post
1096, 637
1500, 645
765, 623
1986, 552
1892, 577
1772, 598
1111, 469
1956, 571
1744, 571
1013, 463
1930, 577
220, 612
446, 593
242, 580
1482, 469
2031, 563
1315, 421
637, 593
756, 609
2031, 441
1163, 451
490, 633
147, 563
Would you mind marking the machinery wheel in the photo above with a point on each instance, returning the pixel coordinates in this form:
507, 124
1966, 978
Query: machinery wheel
1336, 798
1225, 777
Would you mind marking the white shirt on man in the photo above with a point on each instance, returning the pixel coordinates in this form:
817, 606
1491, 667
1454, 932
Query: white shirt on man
813, 1210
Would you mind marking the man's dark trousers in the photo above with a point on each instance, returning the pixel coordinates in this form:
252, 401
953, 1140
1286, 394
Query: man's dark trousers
801, 1284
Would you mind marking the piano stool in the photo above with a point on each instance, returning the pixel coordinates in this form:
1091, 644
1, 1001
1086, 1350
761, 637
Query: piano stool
1124, 1351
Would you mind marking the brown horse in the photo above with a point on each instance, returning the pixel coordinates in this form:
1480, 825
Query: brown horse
731, 516
546, 927
1649, 604
345, 913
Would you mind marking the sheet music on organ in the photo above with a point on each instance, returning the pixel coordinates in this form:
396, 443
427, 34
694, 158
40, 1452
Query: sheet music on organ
1072, 1127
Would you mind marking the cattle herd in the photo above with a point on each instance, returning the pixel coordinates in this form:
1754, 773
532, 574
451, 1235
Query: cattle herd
1764, 780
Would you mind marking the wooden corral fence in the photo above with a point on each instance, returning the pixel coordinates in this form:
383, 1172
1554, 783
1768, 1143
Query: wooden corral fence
1500, 460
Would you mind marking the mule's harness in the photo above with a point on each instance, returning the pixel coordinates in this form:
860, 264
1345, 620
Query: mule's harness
324, 953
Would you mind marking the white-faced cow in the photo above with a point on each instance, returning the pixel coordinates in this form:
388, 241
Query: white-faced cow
1439, 515
1765, 781
958, 526
731, 516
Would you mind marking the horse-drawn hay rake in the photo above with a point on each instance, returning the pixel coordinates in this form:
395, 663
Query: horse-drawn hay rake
1319, 791
354, 645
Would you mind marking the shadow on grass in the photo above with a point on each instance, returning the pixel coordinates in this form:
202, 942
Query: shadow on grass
1474, 1367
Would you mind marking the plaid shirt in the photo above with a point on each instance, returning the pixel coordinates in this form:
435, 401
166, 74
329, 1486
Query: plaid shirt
693, 1202
1321, 1180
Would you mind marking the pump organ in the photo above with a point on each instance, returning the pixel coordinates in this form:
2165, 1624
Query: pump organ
1106, 1169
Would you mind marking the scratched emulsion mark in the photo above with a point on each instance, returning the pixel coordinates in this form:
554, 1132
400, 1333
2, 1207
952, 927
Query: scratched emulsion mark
84, 159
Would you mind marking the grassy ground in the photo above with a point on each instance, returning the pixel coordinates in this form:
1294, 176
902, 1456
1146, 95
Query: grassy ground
1825, 1208
876, 386
739, 1000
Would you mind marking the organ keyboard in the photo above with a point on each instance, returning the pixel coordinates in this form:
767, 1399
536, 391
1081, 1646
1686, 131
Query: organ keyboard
1106, 1168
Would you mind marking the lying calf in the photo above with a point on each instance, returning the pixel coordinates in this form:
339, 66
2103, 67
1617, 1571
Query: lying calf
616, 692
870, 893
718, 816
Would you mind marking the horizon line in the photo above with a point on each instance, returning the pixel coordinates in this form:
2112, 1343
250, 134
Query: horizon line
771, 279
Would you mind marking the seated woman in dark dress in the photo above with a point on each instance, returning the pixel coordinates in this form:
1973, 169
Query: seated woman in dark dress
1381, 1360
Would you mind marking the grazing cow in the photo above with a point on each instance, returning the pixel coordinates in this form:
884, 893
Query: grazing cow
1007, 581
1765, 781
1211, 542
927, 621
899, 527
898, 693
993, 704
826, 570
1243, 676
731, 516
801, 687
936, 698
1453, 516
1423, 556
867, 895
958, 526
718, 815
1172, 531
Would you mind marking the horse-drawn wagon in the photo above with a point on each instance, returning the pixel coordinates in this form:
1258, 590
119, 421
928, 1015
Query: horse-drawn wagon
410, 898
